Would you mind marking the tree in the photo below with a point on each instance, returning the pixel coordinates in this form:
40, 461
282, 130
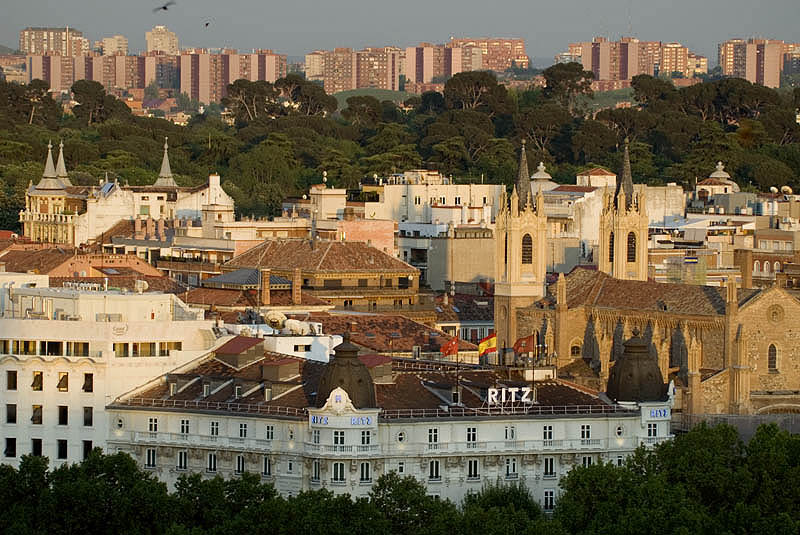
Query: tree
250, 100
94, 105
363, 111
648, 90
404, 502
151, 91
565, 82
592, 141
540, 125
476, 90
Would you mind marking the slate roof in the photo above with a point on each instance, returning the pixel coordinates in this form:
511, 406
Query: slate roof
593, 288
325, 256
245, 277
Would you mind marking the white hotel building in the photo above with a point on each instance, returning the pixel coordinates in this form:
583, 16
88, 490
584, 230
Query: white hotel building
65, 353
306, 425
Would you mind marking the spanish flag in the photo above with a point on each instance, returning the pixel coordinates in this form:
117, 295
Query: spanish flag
450, 347
487, 345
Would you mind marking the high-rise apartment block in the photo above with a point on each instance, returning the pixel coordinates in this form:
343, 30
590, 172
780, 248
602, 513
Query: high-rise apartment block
205, 76
343, 69
378, 68
497, 54
114, 46
757, 60
163, 40
315, 66
64, 41
426, 62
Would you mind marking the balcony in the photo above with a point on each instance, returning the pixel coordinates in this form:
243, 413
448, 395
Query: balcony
207, 441
652, 441
337, 450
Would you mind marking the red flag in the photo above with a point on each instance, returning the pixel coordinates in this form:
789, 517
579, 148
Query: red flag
524, 345
450, 347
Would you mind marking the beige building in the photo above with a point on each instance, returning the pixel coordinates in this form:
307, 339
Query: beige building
497, 54
315, 65
759, 61
205, 77
162, 40
116, 45
63, 41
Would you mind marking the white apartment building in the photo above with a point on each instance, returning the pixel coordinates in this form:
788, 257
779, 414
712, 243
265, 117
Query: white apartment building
453, 428
65, 353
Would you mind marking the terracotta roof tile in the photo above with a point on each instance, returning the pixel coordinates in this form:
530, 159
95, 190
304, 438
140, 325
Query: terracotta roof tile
237, 345
41, 261
575, 189
246, 298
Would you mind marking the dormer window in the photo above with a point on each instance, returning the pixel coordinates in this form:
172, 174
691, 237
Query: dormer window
206, 390
237, 391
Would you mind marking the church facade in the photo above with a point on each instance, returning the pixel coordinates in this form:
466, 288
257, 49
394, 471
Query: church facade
56, 211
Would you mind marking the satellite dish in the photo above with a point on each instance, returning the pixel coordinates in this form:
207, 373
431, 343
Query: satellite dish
773, 189
786, 190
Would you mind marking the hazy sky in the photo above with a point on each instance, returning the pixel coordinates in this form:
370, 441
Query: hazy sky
295, 27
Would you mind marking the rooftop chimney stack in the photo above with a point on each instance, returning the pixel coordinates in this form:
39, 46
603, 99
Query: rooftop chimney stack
264, 288
297, 283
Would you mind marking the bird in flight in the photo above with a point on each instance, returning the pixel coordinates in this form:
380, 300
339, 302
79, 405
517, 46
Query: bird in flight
207, 23
165, 7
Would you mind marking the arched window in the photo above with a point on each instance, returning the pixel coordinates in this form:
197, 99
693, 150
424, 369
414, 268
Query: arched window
575, 351
631, 247
527, 249
766, 269
772, 358
611, 247
777, 267
756, 267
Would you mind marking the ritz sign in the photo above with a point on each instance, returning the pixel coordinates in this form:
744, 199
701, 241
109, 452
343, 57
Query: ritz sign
354, 420
496, 396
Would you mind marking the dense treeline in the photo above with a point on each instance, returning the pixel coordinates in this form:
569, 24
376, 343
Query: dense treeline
706, 481
286, 134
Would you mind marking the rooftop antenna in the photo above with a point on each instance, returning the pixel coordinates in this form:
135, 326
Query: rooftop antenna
630, 23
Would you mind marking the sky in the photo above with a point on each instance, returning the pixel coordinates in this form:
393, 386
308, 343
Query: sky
296, 27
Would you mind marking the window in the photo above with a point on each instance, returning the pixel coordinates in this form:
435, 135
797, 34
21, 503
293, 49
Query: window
152, 425
63, 415
587, 461
457, 201
88, 382
401, 467
266, 469
433, 435
87, 449
472, 437
36, 414
240, 464
315, 470
11, 447
290, 467
631, 247
652, 430
772, 359
756, 267
36, 447
433, 471
184, 427
338, 438
150, 458
237, 391
183, 460
549, 467
511, 432
366, 437
214, 429
620, 460
242, 430
290, 433
211, 466
527, 249
549, 500
38, 379
88, 416
11, 413
366, 474
473, 472
586, 432
270, 433
511, 467
61, 449
315, 436
338, 472
11, 380
63, 382
547, 435
401, 436
575, 351
611, 247
417, 200
206, 390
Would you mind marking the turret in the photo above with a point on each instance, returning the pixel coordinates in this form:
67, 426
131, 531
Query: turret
165, 179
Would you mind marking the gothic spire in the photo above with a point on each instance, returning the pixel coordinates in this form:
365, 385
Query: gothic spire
165, 176
49, 169
625, 183
523, 184
61, 168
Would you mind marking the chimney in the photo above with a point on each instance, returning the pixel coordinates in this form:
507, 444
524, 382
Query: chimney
160, 228
297, 283
151, 227
264, 296
137, 229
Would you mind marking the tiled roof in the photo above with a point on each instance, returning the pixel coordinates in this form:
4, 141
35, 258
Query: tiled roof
154, 284
237, 344
596, 289
330, 256
462, 307
575, 189
244, 277
385, 333
41, 261
714, 182
596, 171
123, 228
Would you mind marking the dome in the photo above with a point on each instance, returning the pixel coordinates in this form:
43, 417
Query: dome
347, 372
636, 375
541, 180
720, 172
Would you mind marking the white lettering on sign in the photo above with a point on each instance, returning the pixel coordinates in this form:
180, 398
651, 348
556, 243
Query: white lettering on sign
497, 396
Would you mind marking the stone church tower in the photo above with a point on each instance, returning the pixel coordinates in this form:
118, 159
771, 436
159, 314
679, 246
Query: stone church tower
520, 254
623, 229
